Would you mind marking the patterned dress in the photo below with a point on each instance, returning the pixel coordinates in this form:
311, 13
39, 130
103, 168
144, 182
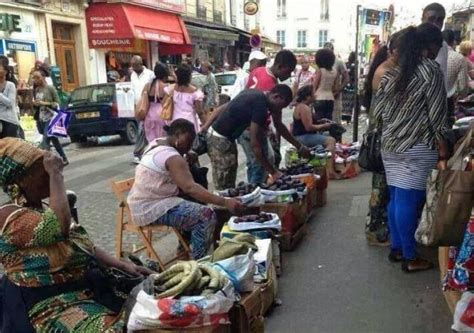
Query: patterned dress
376, 228
35, 253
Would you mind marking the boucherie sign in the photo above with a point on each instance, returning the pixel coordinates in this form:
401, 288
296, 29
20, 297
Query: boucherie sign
177, 6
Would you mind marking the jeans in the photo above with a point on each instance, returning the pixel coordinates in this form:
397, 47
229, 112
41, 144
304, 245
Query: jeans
47, 140
256, 174
312, 139
404, 210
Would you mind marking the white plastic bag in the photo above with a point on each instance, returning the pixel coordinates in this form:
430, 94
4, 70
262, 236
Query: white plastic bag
239, 270
464, 313
148, 313
274, 223
254, 199
279, 196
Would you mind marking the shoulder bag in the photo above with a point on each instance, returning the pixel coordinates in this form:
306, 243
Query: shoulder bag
370, 155
144, 104
167, 105
449, 201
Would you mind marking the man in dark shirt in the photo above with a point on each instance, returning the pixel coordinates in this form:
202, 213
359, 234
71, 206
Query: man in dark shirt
226, 124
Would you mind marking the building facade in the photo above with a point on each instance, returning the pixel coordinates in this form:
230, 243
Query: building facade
305, 25
51, 31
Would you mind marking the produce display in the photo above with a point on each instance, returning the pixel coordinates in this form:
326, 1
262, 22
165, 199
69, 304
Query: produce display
188, 278
298, 169
285, 183
241, 190
261, 218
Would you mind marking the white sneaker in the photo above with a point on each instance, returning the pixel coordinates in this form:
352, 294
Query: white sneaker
136, 160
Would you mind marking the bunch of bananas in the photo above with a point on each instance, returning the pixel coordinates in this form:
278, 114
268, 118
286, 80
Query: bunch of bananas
188, 278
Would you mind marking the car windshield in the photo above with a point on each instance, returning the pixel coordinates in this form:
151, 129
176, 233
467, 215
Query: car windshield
226, 79
93, 94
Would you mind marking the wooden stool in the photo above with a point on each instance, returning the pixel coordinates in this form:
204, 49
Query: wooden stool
124, 222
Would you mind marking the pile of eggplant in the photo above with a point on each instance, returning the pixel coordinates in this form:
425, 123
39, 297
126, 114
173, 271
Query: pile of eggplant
284, 183
241, 190
261, 218
298, 169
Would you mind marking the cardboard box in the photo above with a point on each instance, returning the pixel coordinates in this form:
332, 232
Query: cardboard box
311, 200
263, 260
245, 316
269, 290
322, 182
220, 329
289, 241
321, 198
292, 215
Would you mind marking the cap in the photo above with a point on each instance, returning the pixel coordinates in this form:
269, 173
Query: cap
259, 55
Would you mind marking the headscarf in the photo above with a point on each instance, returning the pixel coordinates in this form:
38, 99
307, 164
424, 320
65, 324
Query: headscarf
16, 156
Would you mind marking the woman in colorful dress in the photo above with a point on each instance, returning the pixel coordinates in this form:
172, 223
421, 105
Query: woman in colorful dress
411, 105
45, 257
162, 174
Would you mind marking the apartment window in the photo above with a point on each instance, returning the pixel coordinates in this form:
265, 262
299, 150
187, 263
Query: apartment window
323, 37
281, 8
201, 11
281, 37
324, 15
301, 38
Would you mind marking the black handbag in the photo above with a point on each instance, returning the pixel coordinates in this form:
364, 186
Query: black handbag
370, 155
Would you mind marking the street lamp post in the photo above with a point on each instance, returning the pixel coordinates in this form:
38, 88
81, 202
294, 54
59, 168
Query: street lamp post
355, 132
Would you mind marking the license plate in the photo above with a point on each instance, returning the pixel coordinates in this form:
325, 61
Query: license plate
87, 115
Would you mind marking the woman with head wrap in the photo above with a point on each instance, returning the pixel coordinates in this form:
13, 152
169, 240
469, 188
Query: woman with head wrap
45, 257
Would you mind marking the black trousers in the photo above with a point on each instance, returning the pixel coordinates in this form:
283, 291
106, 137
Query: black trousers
323, 109
9, 130
451, 110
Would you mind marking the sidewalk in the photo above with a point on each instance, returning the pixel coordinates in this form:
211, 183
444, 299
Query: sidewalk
335, 282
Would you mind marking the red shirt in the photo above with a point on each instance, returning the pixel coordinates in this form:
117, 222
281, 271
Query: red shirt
262, 79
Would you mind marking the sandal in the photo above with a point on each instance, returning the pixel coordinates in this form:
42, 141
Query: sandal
395, 256
416, 265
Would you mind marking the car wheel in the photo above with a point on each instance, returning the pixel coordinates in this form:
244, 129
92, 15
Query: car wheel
78, 139
131, 133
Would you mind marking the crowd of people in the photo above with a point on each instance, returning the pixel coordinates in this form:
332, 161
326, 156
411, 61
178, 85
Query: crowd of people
410, 92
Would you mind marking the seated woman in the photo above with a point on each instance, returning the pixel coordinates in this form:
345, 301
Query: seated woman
308, 133
162, 172
45, 287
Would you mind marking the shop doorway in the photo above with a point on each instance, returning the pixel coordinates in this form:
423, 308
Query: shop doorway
66, 56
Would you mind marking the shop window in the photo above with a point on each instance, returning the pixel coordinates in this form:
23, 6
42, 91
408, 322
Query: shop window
281, 37
301, 39
323, 37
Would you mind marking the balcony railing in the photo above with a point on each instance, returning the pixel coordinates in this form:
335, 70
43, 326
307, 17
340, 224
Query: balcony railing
201, 12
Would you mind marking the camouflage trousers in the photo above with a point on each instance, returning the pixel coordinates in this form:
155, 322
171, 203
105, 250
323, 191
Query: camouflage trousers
223, 155
376, 228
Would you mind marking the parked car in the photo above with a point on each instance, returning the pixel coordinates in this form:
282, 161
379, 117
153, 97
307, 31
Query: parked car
226, 81
103, 109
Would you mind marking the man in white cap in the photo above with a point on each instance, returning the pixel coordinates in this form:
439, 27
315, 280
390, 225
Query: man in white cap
256, 59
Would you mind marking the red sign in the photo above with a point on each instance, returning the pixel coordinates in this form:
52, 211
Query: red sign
117, 25
177, 6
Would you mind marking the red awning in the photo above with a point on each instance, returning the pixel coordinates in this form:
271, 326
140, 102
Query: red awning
115, 25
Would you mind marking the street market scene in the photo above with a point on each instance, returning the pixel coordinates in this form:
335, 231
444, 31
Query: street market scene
220, 166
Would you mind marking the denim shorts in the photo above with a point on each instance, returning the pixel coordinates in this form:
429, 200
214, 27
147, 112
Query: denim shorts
312, 139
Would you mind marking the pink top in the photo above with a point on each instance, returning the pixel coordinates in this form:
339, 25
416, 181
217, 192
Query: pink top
262, 79
154, 191
184, 105
153, 124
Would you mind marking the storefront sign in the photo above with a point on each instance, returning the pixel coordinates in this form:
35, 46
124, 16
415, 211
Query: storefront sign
9, 22
250, 8
15, 45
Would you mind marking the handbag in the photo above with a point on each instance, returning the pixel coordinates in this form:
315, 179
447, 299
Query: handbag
370, 155
143, 105
449, 201
200, 144
167, 106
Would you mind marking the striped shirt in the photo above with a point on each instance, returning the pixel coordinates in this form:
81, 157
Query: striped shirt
417, 116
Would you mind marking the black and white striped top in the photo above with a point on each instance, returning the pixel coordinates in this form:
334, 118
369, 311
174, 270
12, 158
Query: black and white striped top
420, 115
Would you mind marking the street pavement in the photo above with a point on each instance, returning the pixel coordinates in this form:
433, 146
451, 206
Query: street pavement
333, 282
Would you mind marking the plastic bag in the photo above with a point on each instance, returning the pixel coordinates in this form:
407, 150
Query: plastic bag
464, 314
145, 312
274, 223
58, 125
254, 199
279, 196
239, 270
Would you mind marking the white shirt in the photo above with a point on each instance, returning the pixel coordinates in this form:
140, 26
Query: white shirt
239, 84
140, 81
442, 60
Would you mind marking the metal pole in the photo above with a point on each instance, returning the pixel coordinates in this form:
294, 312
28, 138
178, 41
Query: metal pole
355, 132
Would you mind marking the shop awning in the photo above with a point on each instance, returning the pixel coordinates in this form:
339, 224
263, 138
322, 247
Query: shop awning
114, 25
208, 33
